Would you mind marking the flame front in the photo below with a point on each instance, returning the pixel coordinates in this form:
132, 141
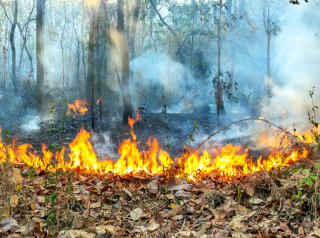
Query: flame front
234, 161
226, 162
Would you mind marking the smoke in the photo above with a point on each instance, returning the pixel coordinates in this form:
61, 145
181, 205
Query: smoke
31, 122
158, 79
296, 66
104, 146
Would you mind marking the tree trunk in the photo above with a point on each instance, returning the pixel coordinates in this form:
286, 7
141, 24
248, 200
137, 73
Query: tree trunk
134, 28
219, 85
127, 104
268, 65
40, 57
13, 48
90, 75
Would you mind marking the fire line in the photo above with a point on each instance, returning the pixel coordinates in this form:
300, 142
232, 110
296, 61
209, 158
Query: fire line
225, 163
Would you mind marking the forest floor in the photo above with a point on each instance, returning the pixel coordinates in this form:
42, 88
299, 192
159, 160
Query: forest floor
41, 204
35, 203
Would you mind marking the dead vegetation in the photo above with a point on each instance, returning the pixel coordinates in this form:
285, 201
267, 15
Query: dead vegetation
37, 203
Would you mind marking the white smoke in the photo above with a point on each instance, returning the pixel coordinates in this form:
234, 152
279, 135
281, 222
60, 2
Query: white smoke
296, 63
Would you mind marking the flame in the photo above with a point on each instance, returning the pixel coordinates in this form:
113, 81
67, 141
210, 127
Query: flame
79, 106
131, 122
99, 100
225, 163
234, 161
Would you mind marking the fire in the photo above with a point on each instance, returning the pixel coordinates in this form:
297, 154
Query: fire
225, 163
131, 122
234, 161
79, 106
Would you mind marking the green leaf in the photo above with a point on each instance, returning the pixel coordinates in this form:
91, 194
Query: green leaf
53, 197
313, 177
308, 181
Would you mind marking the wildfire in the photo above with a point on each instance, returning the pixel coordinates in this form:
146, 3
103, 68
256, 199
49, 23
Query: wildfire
234, 161
227, 162
79, 106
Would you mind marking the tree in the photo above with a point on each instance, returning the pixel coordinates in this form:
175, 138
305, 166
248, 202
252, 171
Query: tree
39, 55
271, 28
124, 54
90, 72
218, 84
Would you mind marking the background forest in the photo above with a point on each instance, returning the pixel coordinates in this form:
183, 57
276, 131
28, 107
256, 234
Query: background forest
237, 57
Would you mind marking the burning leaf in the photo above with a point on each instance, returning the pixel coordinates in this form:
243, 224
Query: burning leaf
78, 106
136, 214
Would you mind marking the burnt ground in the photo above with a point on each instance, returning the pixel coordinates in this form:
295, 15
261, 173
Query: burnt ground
171, 130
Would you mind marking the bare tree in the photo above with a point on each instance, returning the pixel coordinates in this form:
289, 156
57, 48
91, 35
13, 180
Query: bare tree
40, 48
217, 80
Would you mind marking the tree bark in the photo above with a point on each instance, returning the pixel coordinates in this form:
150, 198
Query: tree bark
40, 56
13, 47
126, 97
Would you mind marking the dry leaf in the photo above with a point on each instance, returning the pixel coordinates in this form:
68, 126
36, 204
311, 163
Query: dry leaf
16, 176
14, 200
222, 234
238, 225
136, 214
101, 230
75, 234
175, 211
152, 226
153, 187
256, 201
9, 224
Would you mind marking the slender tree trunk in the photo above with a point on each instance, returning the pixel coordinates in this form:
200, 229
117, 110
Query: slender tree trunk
99, 44
78, 67
13, 47
90, 75
268, 65
219, 85
192, 37
126, 97
40, 47
267, 27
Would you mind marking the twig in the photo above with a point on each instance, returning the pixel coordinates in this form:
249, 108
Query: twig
242, 120
184, 223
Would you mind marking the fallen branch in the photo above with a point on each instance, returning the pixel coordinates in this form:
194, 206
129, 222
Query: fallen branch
242, 120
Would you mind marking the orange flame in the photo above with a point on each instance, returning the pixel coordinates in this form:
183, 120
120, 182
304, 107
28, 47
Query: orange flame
234, 161
99, 100
225, 163
79, 106
131, 122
